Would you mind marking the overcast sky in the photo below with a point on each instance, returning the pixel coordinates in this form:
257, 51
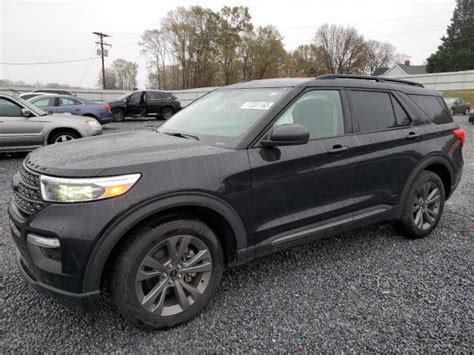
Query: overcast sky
55, 30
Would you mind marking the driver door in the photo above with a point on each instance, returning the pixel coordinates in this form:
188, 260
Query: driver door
300, 187
133, 103
17, 131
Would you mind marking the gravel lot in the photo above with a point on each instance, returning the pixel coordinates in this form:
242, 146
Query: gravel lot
365, 291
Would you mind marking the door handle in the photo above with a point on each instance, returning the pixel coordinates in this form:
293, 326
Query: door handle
338, 149
413, 136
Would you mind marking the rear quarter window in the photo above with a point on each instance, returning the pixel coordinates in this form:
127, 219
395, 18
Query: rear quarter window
433, 107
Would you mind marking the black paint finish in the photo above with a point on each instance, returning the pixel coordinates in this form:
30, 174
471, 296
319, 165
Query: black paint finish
267, 197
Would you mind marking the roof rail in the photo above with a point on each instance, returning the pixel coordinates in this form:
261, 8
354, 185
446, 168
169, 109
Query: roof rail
374, 78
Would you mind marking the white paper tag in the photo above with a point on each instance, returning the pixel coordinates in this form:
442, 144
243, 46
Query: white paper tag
256, 105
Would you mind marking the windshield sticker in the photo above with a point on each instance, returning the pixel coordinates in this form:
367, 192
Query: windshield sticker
261, 105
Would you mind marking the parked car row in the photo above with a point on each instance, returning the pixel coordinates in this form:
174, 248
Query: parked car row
24, 127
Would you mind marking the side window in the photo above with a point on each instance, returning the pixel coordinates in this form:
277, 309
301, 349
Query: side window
45, 102
320, 111
400, 114
433, 107
136, 96
9, 108
153, 95
373, 110
77, 102
64, 101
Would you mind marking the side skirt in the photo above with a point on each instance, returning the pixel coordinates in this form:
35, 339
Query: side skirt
324, 229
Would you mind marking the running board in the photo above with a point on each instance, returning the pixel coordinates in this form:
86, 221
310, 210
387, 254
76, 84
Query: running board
306, 232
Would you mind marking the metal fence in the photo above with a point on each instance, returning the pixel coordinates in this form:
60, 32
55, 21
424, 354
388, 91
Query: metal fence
185, 97
462, 80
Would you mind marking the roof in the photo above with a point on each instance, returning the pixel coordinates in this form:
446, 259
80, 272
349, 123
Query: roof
413, 69
380, 71
270, 83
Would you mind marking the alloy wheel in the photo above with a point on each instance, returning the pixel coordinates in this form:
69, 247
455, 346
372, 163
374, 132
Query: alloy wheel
167, 113
173, 275
64, 138
426, 206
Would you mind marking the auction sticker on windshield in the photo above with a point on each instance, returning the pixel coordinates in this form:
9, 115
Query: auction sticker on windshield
256, 105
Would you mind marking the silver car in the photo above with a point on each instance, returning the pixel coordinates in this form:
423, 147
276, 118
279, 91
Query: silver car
24, 127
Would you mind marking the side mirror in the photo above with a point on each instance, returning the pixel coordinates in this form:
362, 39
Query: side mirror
288, 134
26, 113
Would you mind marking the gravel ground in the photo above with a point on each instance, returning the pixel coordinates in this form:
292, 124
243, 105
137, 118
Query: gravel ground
366, 291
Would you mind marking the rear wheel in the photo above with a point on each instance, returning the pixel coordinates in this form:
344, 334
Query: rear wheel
118, 114
63, 136
467, 111
423, 207
166, 274
167, 113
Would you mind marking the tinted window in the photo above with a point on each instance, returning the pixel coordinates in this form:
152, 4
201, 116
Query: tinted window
400, 114
154, 95
320, 111
45, 102
433, 107
373, 110
136, 96
9, 109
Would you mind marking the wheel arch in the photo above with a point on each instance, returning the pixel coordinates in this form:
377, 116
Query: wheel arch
61, 129
220, 217
437, 164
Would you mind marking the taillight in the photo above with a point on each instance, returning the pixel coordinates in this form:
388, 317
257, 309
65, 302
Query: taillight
461, 135
106, 107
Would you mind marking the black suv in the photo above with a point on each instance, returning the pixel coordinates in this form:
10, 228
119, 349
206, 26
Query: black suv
143, 103
244, 171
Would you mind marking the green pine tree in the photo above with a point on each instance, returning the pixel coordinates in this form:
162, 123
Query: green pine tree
456, 51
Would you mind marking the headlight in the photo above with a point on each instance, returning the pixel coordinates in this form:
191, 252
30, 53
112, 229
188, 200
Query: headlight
92, 123
89, 189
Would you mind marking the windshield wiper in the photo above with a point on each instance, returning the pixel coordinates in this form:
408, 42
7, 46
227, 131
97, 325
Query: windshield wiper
182, 135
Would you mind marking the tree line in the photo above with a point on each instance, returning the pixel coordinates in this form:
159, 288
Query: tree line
198, 47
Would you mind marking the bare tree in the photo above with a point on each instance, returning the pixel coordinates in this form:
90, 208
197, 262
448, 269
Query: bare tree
125, 74
110, 79
268, 53
155, 49
379, 54
342, 50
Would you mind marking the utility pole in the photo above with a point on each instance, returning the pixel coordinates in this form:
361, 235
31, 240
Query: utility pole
103, 53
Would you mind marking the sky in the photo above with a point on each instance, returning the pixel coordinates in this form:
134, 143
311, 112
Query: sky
58, 30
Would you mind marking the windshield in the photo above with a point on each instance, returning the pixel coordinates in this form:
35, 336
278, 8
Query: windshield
449, 100
124, 96
31, 107
223, 116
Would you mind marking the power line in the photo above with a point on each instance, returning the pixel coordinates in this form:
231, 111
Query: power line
55, 62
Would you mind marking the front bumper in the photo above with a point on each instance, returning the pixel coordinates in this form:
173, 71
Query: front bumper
84, 299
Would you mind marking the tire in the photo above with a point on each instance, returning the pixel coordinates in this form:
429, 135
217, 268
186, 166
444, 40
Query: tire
420, 216
118, 114
467, 111
63, 136
167, 113
144, 266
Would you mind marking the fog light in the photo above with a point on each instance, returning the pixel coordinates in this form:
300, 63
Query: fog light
44, 242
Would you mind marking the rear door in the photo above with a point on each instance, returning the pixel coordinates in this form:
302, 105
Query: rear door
154, 101
69, 105
387, 153
299, 187
17, 131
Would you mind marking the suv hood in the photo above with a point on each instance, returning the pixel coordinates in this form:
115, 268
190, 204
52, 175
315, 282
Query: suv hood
112, 154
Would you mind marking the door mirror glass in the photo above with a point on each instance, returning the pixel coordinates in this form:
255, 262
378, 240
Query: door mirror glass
287, 134
26, 113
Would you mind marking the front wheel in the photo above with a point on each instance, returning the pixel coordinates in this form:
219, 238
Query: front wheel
423, 206
118, 114
61, 137
166, 274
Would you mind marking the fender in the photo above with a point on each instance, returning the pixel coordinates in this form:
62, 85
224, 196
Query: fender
435, 158
109, 238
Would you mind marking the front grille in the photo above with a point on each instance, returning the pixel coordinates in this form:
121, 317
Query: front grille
27, 194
